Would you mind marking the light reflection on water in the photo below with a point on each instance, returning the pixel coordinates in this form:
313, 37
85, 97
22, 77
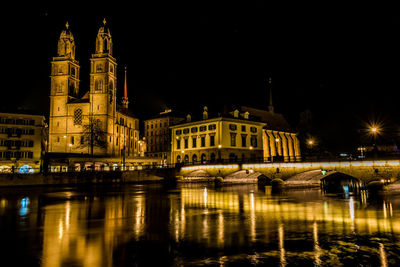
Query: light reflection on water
195, 225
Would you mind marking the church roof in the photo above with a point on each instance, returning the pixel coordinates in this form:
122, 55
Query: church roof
275, 121
125, 112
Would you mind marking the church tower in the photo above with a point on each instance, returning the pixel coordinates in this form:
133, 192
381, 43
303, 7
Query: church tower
103, 84
64, 87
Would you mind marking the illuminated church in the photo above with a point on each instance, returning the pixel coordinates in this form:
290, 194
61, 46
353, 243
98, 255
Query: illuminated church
94, 123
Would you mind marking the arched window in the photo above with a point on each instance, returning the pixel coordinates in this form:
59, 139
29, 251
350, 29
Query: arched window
178, 159
212, 157
110, 85
78, 116
232, 157
186, 159
98, 85
203, 159
194, 159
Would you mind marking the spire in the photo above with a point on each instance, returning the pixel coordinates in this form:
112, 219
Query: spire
125, 101
104, 40
270, 106
66, 43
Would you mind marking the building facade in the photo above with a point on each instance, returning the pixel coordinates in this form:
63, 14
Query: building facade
94, 123
157, 133
220, 139
22, 142
280, 146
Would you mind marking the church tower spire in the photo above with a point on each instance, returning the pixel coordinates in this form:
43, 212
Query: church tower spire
125, 100
270, 106
64, 87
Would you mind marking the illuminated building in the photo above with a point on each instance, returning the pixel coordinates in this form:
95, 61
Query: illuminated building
225, 137
158, 134
22, 138
71, 114
237, 136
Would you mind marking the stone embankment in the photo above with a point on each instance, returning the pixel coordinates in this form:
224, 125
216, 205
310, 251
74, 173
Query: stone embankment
77, 178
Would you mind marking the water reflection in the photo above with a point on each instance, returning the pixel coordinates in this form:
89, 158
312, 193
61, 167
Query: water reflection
195, 225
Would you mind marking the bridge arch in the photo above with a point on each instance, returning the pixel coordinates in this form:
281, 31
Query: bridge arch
247, 176
198, 176
331, 181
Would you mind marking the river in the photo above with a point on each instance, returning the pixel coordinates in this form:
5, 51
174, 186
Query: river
195, 225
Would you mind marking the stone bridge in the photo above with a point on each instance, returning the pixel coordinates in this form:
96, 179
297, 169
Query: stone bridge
363, 170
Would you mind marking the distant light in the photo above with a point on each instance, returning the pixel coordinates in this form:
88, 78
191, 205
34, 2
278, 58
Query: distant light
374, 129
219, 146
251, 148
183, 151
277, 140
323, 172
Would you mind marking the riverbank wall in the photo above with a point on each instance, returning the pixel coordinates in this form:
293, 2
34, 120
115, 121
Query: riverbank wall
77, 178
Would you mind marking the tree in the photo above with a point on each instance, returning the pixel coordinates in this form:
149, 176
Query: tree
93, 135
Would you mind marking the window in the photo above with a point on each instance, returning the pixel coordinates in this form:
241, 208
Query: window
253, 129
178, 144
253, 141
194, 142
232, 127
186, 131
203, 128
72, 140
203, 141
243, 128
244, 140
193, 130
212, 158
98, 85
83, 139
78, 116
58, 139
233, 139
212, 127
178, 132
212, 140
186, 143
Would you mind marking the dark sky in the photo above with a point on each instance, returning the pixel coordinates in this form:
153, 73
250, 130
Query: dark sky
341, 62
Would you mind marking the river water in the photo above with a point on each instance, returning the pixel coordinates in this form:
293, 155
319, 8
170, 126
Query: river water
194, 225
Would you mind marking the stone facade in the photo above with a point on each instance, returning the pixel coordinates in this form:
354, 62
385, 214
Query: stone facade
220, 139
158, 134
70, 114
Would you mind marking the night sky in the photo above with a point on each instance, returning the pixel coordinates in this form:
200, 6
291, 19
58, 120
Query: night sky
340, 62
